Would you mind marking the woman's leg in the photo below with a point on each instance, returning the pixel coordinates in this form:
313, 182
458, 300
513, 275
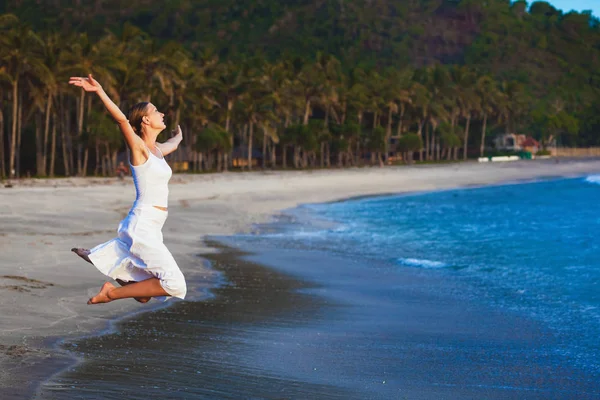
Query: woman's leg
84, 253
142, 300
148, 288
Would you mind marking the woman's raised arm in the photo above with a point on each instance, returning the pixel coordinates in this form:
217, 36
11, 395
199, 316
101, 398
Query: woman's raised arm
89, 84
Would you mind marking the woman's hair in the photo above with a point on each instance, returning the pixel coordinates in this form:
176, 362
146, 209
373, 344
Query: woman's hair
135, 115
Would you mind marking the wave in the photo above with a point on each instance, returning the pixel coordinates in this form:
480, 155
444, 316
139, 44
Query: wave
421, 263
593, 179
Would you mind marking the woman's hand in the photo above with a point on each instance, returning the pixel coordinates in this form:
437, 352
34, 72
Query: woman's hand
177, 134
88, 84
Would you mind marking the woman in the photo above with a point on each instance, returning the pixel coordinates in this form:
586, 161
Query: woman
138, 259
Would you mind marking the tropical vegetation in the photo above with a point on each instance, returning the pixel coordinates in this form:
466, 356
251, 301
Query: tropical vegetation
306, 84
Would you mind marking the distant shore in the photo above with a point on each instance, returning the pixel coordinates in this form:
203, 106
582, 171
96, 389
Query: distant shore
45, 287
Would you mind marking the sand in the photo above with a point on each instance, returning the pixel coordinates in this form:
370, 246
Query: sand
45, 287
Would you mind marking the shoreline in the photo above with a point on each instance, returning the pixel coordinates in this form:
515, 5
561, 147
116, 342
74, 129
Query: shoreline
51, 302
287, 326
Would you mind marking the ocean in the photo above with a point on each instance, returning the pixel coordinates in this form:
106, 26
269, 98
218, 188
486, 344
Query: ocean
485, 292
533, 249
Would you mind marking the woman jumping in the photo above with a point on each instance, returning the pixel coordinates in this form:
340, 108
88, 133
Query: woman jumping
137, 258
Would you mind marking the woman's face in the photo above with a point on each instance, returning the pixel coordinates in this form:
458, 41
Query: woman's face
155, 119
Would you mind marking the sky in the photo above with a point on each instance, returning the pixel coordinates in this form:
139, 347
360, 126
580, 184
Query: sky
577, 5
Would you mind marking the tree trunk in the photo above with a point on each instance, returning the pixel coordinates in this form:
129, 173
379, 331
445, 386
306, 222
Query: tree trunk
427, 142
69, 126
284, 156
482, 147
466, 144
250, 145
80, 134
228, 116
98, 158
46, 134
322, 154
388, 135
420, 133
227, 126
65, 154
264, 155
2, 156
39, 147
113, 165
85, 161
296, 156
53, 145
360, 118
106, 160
402, 111
19, 133
306, 112
273, 155
13, 136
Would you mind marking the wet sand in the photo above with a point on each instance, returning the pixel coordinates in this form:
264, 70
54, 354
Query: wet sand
218, 348
290, 324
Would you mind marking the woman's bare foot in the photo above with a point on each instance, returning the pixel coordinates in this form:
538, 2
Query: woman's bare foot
142, 300
83, 253
103, 294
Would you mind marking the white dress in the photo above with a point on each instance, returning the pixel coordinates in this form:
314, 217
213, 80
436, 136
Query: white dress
138, 252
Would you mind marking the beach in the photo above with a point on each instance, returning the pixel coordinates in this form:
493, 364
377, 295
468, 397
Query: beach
46, 287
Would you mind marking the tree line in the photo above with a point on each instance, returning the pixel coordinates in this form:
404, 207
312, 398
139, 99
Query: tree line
292, 111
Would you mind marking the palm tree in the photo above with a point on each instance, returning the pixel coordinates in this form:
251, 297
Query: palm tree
21, 53
464, 81
229, 82
421, 99
257, 108
512, 103
357, 101
4, 77
52, 50
311, 80
489, 97
86, 57
405, 88
276, 80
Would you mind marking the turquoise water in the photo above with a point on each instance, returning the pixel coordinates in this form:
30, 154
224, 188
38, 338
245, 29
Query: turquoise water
531, 249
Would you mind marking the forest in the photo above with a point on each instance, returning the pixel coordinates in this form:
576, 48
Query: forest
303, 84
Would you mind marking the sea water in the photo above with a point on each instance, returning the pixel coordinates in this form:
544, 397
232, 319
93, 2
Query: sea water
532, 249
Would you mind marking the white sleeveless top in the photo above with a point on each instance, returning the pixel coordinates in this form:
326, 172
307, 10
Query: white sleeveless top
151, 181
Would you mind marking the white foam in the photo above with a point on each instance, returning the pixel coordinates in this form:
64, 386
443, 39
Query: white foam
416, 262
593, 179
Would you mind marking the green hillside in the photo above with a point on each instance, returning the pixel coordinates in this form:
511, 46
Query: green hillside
454, 73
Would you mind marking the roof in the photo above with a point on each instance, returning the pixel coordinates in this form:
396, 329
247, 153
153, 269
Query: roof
530, 142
